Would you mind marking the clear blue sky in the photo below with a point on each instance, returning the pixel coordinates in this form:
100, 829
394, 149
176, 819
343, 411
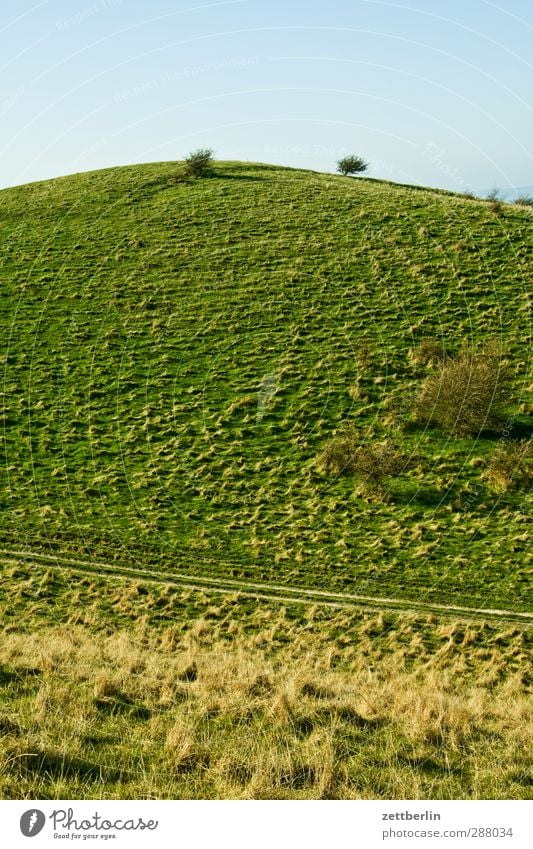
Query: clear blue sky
435, 92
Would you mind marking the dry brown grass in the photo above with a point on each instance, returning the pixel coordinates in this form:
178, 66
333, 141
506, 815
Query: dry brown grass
139, 713
511, 466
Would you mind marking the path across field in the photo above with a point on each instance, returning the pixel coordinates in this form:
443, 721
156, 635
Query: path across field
268, 592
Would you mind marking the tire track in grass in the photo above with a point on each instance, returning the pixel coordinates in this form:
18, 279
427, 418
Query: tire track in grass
268, 592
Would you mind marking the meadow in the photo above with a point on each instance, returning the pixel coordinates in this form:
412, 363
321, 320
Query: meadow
177, 353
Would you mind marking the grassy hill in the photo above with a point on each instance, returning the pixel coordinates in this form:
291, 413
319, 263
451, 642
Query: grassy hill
176, 353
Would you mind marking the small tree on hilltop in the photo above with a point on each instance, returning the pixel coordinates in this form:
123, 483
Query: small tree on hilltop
199, 163
351, 165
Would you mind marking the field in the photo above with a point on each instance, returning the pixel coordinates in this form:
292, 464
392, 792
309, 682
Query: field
176, 354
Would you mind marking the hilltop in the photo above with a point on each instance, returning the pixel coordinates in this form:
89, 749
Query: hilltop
177, 353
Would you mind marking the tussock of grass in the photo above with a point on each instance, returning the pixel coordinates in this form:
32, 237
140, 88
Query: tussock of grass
167, 388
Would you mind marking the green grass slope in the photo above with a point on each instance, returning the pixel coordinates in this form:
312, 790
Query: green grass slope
176, 354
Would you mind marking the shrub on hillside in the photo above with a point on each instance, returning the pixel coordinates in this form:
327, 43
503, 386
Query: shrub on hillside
496, 207
351, 165
511, 466
199, 163
495, 202
468, 393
